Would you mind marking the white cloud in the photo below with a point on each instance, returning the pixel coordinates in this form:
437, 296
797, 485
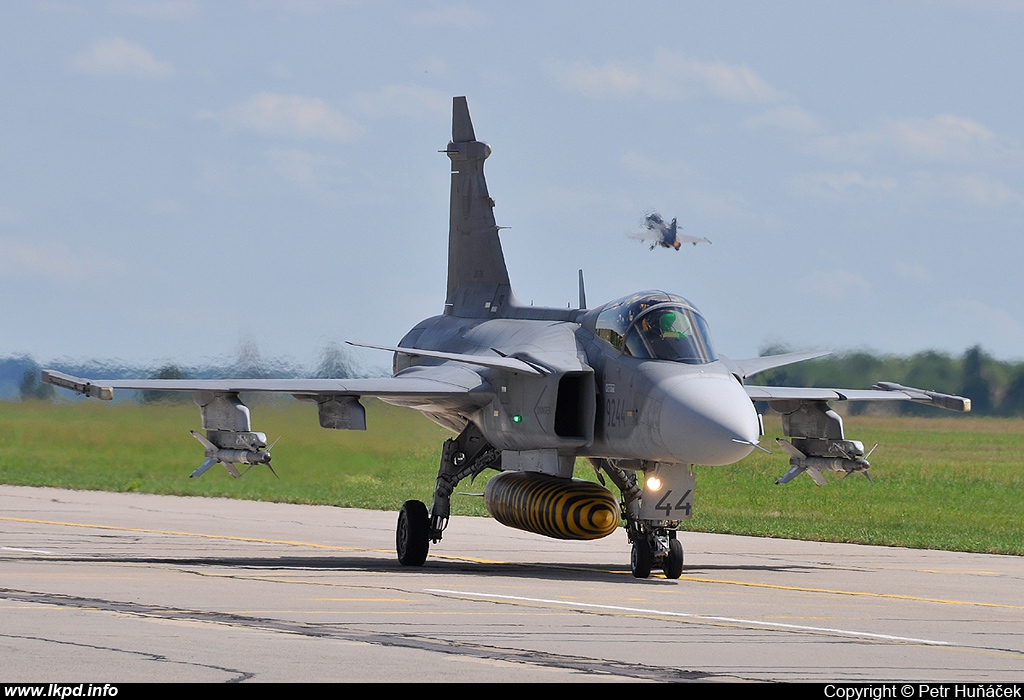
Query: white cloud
403, 100
855, 146
984, 190
609, 80
945, 138
294, 116
301, 167
732, 83
118, 56
841, 184
668, 76
973, 189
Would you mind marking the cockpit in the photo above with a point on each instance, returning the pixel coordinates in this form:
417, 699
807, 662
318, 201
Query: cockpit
656, 326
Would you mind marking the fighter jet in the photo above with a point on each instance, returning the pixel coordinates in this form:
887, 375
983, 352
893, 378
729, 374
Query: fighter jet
635, 386
664, 235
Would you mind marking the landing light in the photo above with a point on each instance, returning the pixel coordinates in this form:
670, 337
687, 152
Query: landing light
653, 483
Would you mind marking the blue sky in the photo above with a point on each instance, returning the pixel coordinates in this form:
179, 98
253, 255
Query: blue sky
180, 178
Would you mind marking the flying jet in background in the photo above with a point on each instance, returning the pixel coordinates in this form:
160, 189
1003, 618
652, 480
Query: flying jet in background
635, 386
659, 233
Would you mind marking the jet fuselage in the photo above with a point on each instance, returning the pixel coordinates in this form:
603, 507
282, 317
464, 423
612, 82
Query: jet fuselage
593, 399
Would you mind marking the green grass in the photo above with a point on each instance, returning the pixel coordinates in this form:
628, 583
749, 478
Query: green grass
127, 447
939, 483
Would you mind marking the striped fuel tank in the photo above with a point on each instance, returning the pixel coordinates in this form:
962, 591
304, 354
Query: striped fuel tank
566, 509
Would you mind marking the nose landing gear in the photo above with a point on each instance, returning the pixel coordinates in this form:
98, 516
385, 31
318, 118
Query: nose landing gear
653, 509
654, 547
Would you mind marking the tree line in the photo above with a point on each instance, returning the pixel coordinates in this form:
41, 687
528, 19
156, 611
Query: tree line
995, 387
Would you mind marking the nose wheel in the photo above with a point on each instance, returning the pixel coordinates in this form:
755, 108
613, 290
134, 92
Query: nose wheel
673, 566
641, 559
659, 548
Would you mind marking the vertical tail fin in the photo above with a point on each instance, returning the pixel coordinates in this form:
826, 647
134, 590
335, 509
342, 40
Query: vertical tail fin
478, 284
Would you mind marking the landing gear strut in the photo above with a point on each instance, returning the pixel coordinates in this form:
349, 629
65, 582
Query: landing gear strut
467, 455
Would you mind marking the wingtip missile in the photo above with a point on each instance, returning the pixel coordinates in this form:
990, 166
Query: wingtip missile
950, 402
80, 386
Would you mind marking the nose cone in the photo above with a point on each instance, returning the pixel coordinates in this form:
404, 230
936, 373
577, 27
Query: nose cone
707, 419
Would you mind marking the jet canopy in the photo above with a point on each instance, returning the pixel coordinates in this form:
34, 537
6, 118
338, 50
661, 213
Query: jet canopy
656, 326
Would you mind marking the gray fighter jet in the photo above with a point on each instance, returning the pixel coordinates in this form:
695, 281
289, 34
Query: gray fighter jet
635, 386
663, 234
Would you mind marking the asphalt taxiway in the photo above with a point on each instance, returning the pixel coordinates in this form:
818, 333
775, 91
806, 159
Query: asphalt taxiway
105, 588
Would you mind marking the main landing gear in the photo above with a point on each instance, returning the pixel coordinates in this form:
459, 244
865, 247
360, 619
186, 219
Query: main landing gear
461, 457
413, 537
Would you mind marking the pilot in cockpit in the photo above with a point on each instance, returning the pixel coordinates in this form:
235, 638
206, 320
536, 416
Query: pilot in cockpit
672, 325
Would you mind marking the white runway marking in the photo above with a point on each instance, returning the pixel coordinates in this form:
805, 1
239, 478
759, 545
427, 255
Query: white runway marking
709, 618
27, 551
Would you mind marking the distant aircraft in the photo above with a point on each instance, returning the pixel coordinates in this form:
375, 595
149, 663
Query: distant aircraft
664, 235
635, 386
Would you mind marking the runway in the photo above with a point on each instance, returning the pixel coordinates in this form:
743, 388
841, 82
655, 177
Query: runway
106, 588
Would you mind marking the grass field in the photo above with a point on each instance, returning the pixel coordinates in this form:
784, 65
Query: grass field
940, 483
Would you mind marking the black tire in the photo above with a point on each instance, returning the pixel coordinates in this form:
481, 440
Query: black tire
674, 559
641, 559
412, 539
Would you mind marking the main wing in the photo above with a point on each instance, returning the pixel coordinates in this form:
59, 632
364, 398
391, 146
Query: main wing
817, 441
882, 391
424, 387
445, 392
683, 238
648, 236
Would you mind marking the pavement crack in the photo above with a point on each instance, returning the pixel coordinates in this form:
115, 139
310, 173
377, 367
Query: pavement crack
331, 631
237, 674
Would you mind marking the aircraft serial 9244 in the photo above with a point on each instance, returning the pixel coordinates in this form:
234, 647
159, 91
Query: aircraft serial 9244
635, 386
